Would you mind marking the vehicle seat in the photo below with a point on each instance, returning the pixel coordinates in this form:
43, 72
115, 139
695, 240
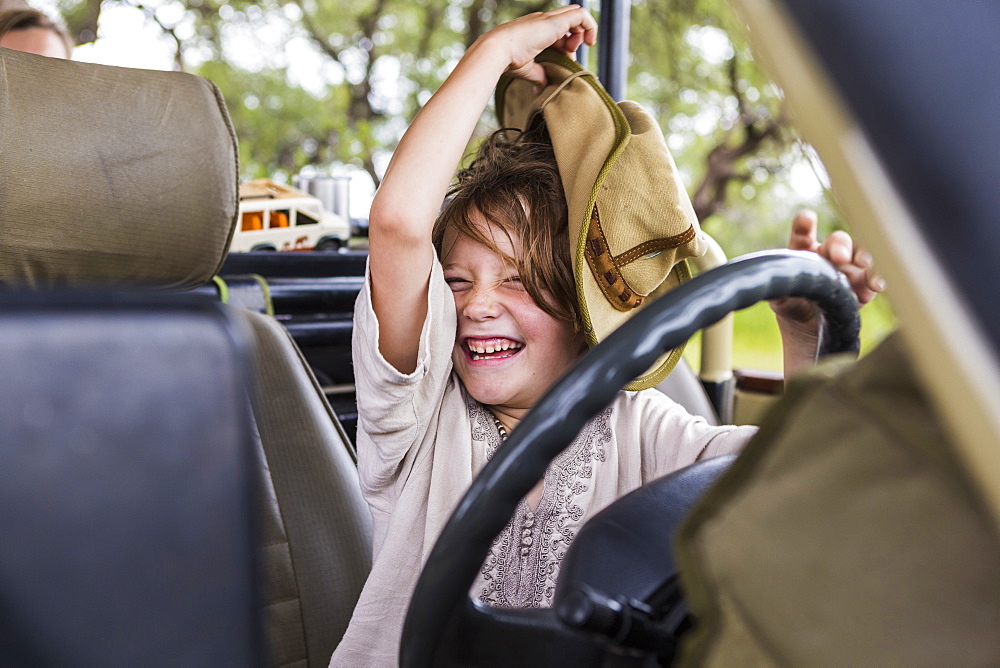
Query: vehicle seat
683, 386
111, 553
129, 179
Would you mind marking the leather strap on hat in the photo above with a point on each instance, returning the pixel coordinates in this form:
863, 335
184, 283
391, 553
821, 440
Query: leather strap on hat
606, 267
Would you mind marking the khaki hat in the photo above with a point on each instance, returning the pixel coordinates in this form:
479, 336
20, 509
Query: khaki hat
629, 216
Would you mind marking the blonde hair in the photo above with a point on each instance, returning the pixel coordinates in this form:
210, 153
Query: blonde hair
513, 183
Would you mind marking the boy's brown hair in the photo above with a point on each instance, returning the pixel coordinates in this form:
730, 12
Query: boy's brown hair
514, 184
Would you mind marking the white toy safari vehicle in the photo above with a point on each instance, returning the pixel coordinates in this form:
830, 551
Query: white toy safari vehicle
277, 217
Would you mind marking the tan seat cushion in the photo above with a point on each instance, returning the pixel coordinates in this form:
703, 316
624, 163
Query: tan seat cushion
317, 528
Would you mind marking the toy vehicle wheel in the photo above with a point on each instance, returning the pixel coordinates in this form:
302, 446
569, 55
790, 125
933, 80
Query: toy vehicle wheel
264, 247
328, 244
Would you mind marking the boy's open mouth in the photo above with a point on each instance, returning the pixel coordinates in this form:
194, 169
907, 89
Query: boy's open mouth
492, 348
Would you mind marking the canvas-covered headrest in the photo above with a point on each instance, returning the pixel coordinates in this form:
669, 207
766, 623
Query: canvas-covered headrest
111, 175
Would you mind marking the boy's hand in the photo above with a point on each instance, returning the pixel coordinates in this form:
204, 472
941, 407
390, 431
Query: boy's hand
839, 249
564, 29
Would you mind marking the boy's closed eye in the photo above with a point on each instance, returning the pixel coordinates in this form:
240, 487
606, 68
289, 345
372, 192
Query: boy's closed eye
513, 283
458, 284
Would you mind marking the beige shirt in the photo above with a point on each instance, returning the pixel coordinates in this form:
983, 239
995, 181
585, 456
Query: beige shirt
422, 440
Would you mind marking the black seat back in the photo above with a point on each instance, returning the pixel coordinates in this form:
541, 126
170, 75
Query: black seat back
126, 478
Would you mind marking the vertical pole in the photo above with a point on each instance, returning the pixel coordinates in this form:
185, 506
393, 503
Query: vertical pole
612, 46
581, 52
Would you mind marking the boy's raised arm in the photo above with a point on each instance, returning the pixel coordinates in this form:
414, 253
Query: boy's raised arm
417, 179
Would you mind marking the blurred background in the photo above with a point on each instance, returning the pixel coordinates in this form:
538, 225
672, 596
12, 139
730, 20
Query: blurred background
328, 87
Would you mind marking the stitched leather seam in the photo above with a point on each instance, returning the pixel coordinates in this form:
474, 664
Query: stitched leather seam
606, 268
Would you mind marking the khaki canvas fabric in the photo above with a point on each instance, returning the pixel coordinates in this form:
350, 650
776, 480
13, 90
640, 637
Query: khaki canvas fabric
630, 219
845, 535
143, 191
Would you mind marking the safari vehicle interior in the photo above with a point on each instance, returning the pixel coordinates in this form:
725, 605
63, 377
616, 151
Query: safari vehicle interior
152, 436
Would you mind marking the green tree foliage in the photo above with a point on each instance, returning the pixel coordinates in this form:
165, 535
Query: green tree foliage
321, 83
723, 118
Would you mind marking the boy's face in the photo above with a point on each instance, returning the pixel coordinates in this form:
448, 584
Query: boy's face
508, 351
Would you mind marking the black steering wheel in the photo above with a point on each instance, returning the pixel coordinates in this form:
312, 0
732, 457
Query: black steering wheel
441, 608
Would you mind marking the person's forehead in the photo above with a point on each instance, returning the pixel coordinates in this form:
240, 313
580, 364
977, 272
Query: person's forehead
461, 249
40, 41
508, 242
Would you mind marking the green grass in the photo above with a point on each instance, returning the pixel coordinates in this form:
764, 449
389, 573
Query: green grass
757, 344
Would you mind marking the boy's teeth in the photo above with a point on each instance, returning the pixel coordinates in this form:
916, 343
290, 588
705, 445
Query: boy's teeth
486, 349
